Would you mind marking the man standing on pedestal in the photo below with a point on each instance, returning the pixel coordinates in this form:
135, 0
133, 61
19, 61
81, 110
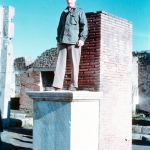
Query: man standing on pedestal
71, 34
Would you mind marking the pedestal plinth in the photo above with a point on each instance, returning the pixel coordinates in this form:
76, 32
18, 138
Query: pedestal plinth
65, 120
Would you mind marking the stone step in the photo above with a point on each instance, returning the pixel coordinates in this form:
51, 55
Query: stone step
141, 133
21, 119
26, 122
20, 114
141, 129
141, 137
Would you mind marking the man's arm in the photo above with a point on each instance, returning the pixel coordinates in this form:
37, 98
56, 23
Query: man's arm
59, 30
83, 27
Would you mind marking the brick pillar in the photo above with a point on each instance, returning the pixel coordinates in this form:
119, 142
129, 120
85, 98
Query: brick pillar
105, 66
115, 83
89, 71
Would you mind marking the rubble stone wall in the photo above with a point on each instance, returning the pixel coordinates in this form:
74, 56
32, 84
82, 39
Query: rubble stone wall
135, 99
143, 79
47, 59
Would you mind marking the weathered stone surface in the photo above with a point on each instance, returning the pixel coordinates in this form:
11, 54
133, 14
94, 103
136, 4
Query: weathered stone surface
8, 26
30, 81
47, 59
143, 137
141, 129
23, 63
143, 79
115, 75
135, 99
6, 60
65, 120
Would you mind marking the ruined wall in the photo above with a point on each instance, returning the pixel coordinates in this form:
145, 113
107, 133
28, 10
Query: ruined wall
21, 65
25, 80
30, 81
47, 60
135, 98
143, 79
6, 60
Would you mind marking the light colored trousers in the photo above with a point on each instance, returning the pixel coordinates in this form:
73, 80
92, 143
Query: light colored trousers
74, 54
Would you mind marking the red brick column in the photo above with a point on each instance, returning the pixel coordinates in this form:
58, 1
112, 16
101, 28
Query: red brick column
89, 71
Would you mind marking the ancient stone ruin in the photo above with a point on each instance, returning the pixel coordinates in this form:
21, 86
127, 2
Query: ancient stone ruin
6, 60
105, 67
142, 71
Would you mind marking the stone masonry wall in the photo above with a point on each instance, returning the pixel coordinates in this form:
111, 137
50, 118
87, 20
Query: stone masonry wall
135, 99
47, 60
115, 83
6, 60
143, 58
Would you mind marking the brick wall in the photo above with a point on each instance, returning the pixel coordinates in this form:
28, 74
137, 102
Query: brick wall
90, 55
115, 83
105, 66
30, 81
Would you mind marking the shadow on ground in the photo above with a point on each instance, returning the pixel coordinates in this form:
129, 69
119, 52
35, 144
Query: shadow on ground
141, 142
140, 122
16, 138
7, 146
20, 130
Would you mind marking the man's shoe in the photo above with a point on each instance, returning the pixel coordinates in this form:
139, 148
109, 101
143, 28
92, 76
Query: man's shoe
72, 88
52, 89
58, 89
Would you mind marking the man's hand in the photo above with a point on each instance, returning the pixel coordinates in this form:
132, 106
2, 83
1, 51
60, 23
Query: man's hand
58, 45
80, 43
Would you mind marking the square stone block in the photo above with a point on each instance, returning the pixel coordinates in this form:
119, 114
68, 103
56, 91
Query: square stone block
66, 120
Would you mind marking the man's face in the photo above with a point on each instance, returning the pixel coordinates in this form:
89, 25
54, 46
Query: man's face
71, 3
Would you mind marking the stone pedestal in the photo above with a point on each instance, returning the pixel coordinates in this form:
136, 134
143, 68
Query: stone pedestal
65, 120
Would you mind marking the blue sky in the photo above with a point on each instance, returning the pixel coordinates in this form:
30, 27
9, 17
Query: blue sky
36, 21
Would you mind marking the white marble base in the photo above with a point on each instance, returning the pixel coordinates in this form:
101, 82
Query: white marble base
61, 125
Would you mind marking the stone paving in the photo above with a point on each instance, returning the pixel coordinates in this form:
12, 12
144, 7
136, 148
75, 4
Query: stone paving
21, 139
19, 135
16, 139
